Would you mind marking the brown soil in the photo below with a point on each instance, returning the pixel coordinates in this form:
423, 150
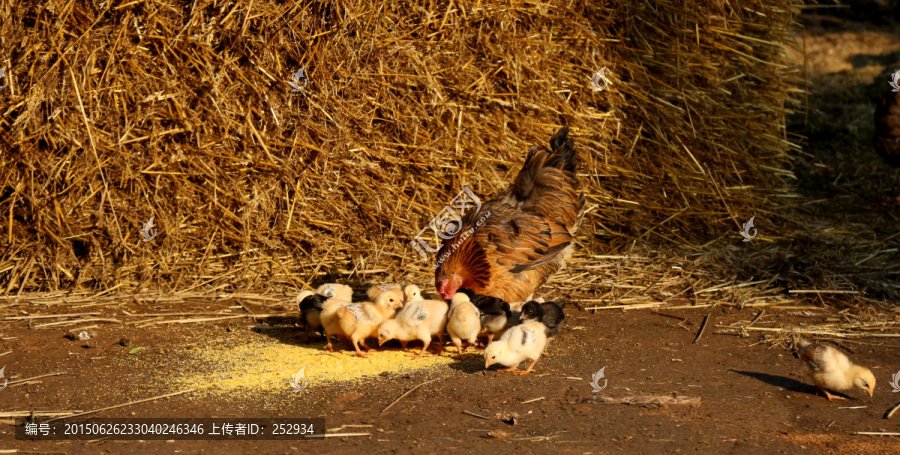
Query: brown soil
754, 398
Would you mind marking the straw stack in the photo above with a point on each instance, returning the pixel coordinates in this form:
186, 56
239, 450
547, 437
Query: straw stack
184, 111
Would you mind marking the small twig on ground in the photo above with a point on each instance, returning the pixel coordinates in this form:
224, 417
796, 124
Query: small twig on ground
405, 394
703, 327
475, 415
891, 411
761, 312
533, 400
36, 377
645, 400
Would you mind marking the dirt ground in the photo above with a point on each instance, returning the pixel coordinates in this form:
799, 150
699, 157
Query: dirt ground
753, 396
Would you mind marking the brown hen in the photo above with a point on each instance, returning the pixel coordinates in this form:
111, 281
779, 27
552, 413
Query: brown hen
527, 230
887, 128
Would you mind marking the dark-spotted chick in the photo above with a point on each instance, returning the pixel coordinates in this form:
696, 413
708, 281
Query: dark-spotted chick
494, 312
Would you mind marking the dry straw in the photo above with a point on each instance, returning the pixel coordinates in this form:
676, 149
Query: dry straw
119, 111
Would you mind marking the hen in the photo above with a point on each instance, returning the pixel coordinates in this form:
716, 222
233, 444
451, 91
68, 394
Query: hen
515, 242
887, 128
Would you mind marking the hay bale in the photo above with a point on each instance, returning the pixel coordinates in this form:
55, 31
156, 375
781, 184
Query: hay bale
183, 111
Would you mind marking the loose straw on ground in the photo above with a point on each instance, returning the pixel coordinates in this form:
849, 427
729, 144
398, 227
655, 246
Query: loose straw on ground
405, 394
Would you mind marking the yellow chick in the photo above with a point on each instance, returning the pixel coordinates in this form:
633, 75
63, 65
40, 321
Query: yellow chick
522, 342
329, 320
412, 293
830, 368
418, 320
310, 303
463, 322
373, 292
339, 291
359, 321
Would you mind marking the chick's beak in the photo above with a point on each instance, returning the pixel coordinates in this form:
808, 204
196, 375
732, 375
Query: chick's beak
487, 363
871, 392
381, 341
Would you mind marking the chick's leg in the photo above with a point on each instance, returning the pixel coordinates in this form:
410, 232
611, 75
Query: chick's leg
459, 348
828, 395
439, 347
363, 343
512, 369
424, 348
530, 367
356, 346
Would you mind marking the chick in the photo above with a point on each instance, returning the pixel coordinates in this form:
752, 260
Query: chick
553, 317
494, 312
373, 292
359, 321
463, 321
522, 342
330, 321
412, 293
418, 320
310, 303
339, 291
830, 368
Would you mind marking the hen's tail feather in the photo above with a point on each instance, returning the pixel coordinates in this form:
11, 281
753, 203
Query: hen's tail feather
562, 156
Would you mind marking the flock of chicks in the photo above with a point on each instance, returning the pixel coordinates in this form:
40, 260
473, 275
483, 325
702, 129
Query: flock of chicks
395, 313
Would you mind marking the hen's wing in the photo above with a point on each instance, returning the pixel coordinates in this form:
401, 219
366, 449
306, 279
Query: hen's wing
528, 230
887, 128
